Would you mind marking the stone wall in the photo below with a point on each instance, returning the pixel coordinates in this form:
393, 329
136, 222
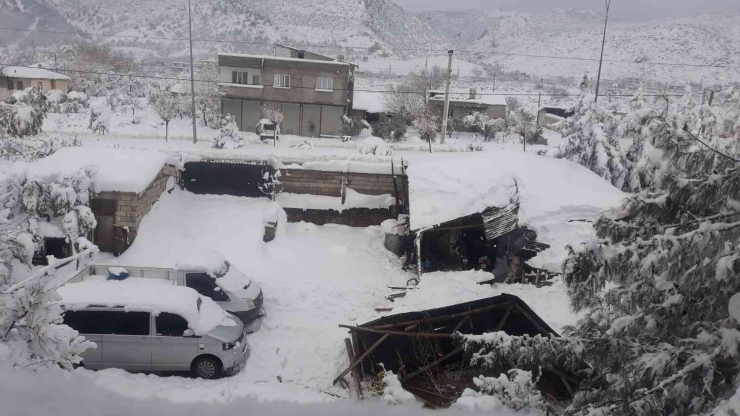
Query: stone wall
302, 181
355, 217
130, 208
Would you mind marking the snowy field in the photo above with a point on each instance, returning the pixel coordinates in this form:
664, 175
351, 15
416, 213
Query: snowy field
313, 278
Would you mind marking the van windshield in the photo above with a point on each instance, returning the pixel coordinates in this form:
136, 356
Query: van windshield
233, 279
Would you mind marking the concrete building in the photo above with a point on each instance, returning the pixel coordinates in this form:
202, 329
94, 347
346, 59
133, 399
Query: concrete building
18, 78
314, 93
465, 103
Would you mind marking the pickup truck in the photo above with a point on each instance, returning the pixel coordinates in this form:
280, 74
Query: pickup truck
227, 286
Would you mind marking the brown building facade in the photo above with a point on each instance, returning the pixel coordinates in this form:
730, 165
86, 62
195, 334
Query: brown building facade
314, 94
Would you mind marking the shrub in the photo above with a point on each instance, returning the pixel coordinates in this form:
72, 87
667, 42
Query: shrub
390, 129
352, 126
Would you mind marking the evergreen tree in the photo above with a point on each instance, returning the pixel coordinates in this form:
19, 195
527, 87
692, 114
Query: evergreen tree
659, 289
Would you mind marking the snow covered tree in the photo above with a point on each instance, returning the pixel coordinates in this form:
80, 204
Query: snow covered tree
208, 94
166, 105
272, 112
271, 184
426, 80
18, 122
228, 136
591, 141
353, 126
658, 290
403, 100
100, 115
427, 124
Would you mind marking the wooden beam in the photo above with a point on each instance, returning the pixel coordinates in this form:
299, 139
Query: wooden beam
503, 320
433, 363
567, 386
361, 357
426, 402
446, 317
388, 333
542, 329
357, 387
459, 324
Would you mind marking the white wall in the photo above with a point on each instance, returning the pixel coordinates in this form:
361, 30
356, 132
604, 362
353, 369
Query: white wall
227, 70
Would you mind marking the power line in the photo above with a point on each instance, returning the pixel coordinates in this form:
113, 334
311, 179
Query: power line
494, 52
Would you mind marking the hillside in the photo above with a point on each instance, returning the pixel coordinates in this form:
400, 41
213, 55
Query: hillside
712, 38
377, 24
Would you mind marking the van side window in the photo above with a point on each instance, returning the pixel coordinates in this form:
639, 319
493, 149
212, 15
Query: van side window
84, 322
125, 323
170, 325
206, 286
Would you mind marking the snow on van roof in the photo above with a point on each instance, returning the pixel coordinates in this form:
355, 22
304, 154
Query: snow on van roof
32, 73
446, 187
145, 295
120, 170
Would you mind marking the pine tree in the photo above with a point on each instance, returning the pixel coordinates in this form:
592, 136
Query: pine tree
659, 289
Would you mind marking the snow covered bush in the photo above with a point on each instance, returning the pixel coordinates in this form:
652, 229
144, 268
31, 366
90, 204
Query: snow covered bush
18, 122
33, 97
54, 100
375, 146
271, 184
390, 128
474, 146
353, 126
476, 122
166, 105
389, 388
228, 135
660, 332
76, 102
272, 112
100, 116
494, 127
516, 390
427, 125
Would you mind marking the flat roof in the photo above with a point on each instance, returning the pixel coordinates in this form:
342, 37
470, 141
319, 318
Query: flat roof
280, 58
32, 73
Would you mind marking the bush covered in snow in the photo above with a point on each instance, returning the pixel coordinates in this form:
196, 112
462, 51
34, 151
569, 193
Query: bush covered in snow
18, 122
33, 97
516, 390
353, 126
54, 100
390, 128
375, 146
393, 392
100, 115
76, 102
228, 135
427, 124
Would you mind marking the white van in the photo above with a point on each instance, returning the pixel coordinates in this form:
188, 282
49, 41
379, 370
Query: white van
142, 325
224, 284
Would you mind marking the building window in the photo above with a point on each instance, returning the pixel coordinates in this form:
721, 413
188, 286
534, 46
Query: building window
41, 85
11, 85
54, 85
19, 85
255, 80
239, 77
325, 83
282, 80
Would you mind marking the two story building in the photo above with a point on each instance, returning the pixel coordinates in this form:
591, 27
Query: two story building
314, 93
18, 78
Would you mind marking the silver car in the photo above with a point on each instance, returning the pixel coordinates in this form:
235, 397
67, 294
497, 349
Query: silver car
143, 341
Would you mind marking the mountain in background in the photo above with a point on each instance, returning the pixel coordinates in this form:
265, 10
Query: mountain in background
709, 39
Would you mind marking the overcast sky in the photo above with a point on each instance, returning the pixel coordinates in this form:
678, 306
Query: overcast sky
620, 9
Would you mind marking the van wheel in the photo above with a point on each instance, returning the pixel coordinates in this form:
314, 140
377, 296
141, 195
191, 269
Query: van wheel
206, 367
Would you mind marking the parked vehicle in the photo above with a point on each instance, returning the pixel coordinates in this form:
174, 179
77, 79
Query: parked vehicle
142, 325
267, 130
225, 284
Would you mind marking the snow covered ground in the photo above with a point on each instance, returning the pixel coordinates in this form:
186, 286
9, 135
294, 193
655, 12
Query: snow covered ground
313, 278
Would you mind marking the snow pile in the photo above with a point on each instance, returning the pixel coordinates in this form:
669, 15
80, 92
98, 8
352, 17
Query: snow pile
375, 146
515, 390
120, 170
143, 295
394, 393
395, 227
353, 199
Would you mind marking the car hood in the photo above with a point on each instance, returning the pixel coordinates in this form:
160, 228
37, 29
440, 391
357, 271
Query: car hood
236, 282
229, 333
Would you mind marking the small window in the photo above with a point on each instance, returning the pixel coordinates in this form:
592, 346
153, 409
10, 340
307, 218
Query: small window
84, 322
206, 286
19, 85
324, 83
170, 325
282, 80
54, 85
255, 80
41, 85
125, 323
11, 85
239, 77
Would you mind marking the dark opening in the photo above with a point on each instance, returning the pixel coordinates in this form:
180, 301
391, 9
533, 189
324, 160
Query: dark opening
170, 325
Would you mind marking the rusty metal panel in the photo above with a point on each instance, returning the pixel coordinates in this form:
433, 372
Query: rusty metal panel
499, 221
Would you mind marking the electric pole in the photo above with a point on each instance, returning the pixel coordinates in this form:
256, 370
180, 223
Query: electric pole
192, 76
447, 97
607, 3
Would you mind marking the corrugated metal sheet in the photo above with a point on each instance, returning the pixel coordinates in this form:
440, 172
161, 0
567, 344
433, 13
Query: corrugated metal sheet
499, 221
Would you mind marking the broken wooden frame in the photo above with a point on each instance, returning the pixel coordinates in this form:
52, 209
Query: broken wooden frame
389, 341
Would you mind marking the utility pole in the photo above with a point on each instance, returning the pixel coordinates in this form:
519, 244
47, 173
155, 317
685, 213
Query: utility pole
192, 76
447, 97
494, 82
608, 3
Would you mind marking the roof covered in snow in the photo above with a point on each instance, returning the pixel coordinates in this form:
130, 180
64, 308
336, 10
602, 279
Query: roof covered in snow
462, 96
148, 295
369, 101
33, 73
446, 187
282, 58
119, 170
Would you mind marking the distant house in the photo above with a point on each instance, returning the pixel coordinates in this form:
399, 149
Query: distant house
314, 91
368, 106
550, 115
466, 103
18, 78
